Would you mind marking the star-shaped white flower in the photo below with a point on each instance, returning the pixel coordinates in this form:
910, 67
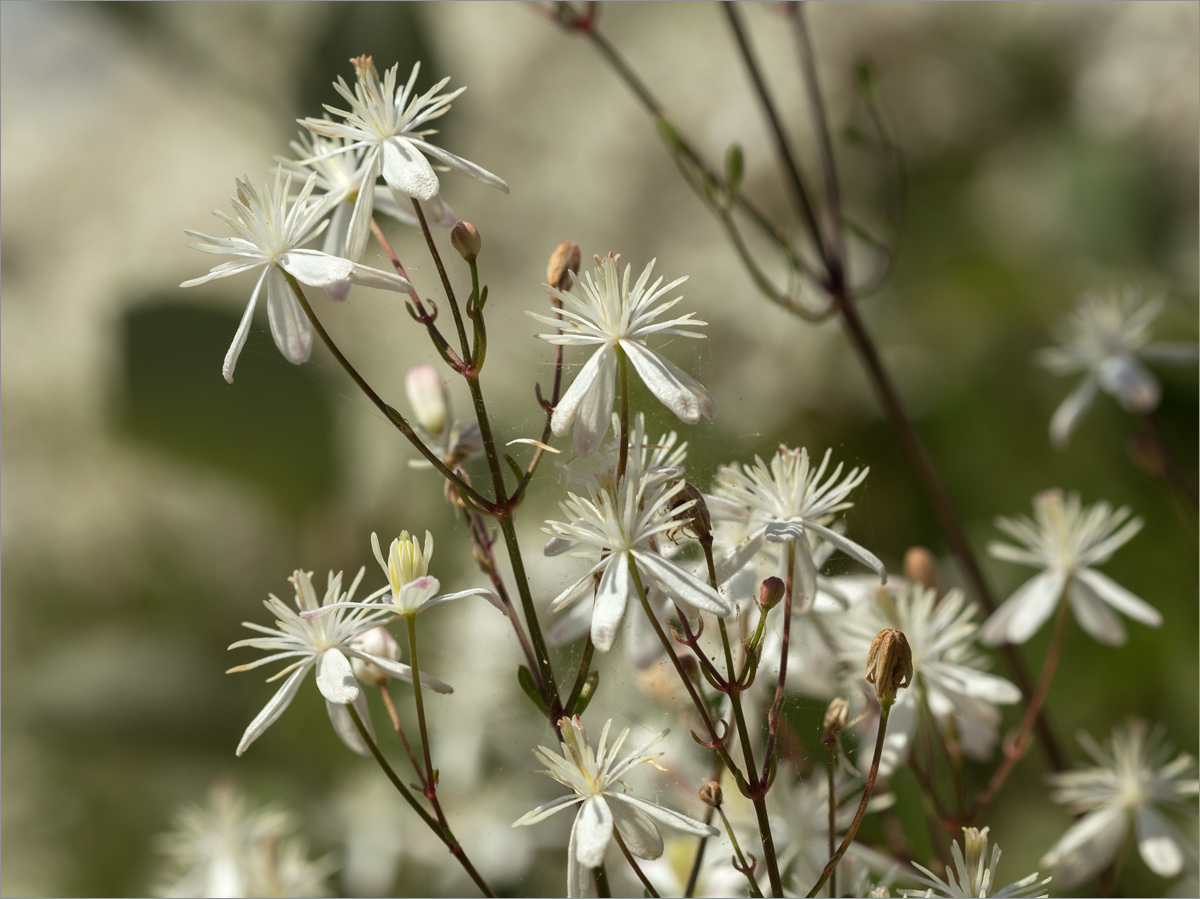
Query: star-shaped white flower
1107, 338
270, 235
787, 501
326, 643
611, 316
1066, 539
974, 873
618, 524
595, 778
386, 123
1132, 785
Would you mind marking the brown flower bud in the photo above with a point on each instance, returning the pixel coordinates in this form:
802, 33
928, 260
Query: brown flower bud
710, 794
920, 567
836, 717
770, 593
464, 237
889, 663
695, 520
565, 258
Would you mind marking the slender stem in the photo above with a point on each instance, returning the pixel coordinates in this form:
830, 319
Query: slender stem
391, 710
601, 877
1172, 472
885, 708
777, 703
430, 781
1020, 743
830, 779
581, 678
739, 858
450, 297
623, 388
939, 738
637, 869
442, 830
786, 157
391, 414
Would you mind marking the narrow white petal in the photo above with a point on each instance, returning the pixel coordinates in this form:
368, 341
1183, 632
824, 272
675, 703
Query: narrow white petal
274, 708
1134, 387
675, 388
593, 830
343, 724
850, 548
578, 876
1070, 410
479, 173
1158, 842
476, 591
595, 408
1097, 620
335, 678
360, 220
680, 584
806, 572
611, 598
568, 405
1087, 847
1019, 616
542, 812
407, 171
1120, 598
401, 671
666, 817
339, 229
290, 327
243, 331
320, 270
635, 827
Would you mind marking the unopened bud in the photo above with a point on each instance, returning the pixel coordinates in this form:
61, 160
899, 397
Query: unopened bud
710, 794
836, 717
889, 663
429, 398
770, 593
695, 520
464, 237
565, 258
378, 641
920, 567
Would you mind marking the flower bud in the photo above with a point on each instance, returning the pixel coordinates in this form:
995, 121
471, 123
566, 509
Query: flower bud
564, 258
710, 794
378, 641
836, 717
921, 568
429, 398
889, 664
464, 237
770, 593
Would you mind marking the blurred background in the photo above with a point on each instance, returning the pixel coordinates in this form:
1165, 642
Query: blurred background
148, 507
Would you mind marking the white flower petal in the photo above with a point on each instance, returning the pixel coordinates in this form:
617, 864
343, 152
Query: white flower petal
319, 270
335, 678
407, 171
1159, 842
850, 548
360, 220
635, 827
680, 584
593, 829
1097, 620
243, 331
479, 173
290, 327
1120, 598
578, 876
1019, 617
401, 671
1071, 410
542, 812
1087, 847
616, 585
343, 724
274, 708
666, 817
675, 388
601, 367
1134, 387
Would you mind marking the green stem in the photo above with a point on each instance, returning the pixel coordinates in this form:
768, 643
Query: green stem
738, 856
637, 869
430, 777
830, 778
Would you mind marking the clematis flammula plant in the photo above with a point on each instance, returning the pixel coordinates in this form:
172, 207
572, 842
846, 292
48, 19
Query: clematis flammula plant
616, 319
595, 777
326, 643
618, 524
385, 122
270, 237
1134, 783
1065, 539
786, 502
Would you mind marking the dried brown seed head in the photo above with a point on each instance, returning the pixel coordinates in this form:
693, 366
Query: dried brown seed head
564, 259
710, 794
836, 717
889, 663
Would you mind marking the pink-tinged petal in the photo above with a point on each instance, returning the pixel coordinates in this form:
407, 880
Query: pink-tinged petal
593, 829
243, 331
407, 171
1159, 843
675, 388
479, 173
1087, 847
1019, 617
1096, 619
1120, 598
680, 584
290, 327
274, 708
1070, 410
416, 594
335, 678
343, 724
616, 586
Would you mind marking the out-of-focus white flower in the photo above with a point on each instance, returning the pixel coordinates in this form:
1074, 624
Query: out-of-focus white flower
270, 234
1066, 539
788, 501
385, 122
617, 525
974, 874
1106, 338
595, 778
947, 667
1133, 784
613, 318
326, 643
226, 849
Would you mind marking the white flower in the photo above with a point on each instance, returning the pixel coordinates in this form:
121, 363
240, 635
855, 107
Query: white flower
612, 317
947, 666
386, 123
1066, 540
1132, 785
974, 873
618, 525
788, 501
228, 849
595, 778
269, 236
1107, 339
326, 643
340, 170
